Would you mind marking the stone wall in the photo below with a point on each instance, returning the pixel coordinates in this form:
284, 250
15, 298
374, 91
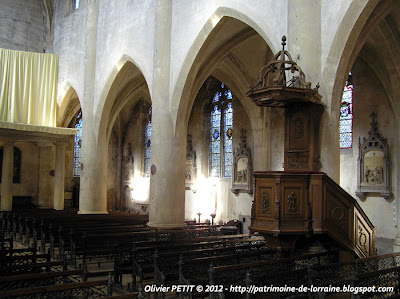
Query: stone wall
369, 96
28, 187
23, 25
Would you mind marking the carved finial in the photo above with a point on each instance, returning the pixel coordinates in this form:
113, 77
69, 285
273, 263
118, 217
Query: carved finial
243, 137
189, 142
374, 123
130, 149
283, 42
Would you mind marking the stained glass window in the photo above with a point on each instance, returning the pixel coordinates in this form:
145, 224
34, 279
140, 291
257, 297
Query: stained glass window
221, 131
78, 145
215, 142
346, 116
147, 144
76, 4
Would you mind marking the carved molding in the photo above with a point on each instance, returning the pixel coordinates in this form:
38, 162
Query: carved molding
292, 202
338, 214
191, 167
242, 167
362, 239
373, 173
297, 163
265, 204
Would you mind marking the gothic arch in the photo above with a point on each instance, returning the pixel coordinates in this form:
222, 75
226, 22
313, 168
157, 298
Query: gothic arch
110, 98
347, 43
132, 96
127, 87
184, 94
69, 107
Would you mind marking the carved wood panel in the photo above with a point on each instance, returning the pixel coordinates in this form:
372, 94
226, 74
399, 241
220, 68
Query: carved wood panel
302, 137
263, 209
292, 201
363, 237
265, 202
337, 216
298, 131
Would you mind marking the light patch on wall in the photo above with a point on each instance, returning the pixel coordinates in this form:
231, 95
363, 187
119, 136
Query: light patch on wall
206, 198
140, 187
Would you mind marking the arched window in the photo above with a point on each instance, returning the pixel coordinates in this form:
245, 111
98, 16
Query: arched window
76, 4
221, 129
346, 115
147, 144
78, 145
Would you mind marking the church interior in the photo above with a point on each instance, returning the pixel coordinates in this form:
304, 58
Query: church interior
143, 135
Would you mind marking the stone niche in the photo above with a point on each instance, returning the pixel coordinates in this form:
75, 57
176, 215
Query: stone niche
373, 174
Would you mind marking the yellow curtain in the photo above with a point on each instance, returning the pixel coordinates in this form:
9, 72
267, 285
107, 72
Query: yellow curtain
28, 87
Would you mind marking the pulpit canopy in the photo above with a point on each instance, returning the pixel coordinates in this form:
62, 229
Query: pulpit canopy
273, 88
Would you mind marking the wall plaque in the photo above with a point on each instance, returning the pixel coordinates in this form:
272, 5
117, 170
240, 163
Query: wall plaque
373, 174
242, 170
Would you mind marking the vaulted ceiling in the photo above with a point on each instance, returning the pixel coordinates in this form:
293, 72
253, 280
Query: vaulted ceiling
379, 46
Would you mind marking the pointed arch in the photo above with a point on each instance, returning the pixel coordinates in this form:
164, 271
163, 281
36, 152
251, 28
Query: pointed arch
124, 69
348, 41
126, 84
183, 94
69, 107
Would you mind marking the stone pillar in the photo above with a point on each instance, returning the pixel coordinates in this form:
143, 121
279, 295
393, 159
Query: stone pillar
396, 193
93, 182
59, 177
304, 44
46, 176
304, 37
262, 149
7, 176
168, 150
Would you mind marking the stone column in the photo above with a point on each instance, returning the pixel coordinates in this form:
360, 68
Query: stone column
46, 176
93, 182
396, 194
304, 38
7, 176
304, 44
59, 176
264, 146
168, 149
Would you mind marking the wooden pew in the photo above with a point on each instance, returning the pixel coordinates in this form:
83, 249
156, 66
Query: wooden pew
233, 274
88, 289
33, 268
24, 223
95, 246
6, 244
142, 253
12, 282
13, 259
190, 268
164, 267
